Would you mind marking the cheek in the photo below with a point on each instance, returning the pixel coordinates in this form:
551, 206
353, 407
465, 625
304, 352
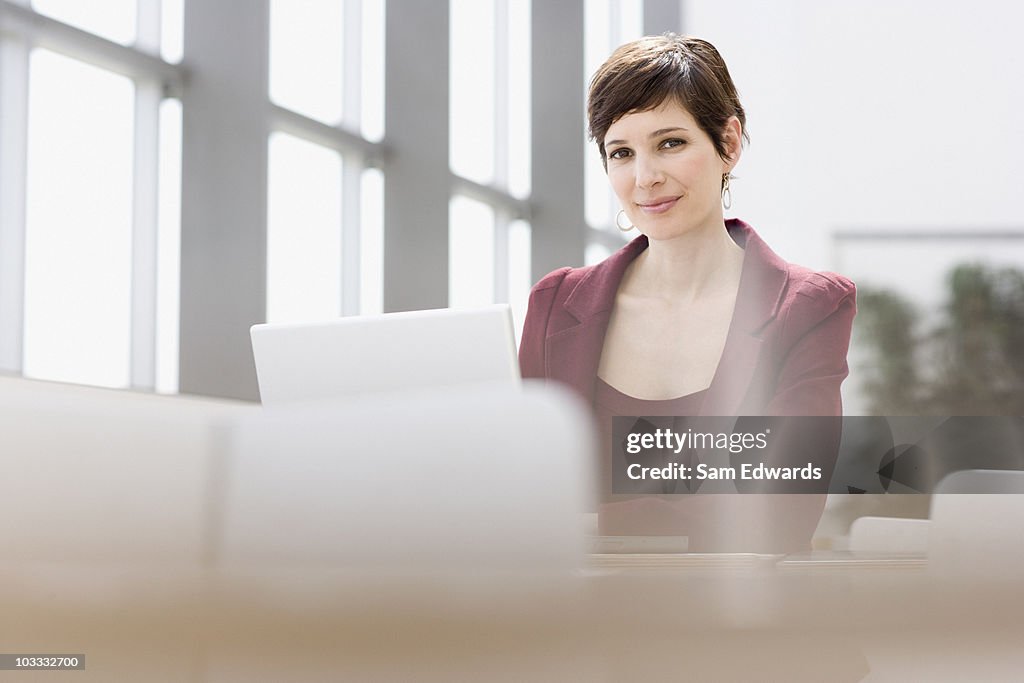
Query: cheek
621, 182
693, 171
702, 176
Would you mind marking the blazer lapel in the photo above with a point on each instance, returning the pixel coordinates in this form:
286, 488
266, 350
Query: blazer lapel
762, 286
574, 343
573, 352
573, 355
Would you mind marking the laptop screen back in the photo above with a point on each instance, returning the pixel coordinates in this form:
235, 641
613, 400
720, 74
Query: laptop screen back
392, 351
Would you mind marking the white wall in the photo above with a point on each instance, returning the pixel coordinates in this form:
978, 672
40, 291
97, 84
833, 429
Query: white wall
877, 116
873, 115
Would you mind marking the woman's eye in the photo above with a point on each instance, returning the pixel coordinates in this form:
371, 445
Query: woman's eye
674, 142
620, 153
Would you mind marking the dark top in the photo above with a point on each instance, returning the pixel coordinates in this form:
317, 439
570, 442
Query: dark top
609, 401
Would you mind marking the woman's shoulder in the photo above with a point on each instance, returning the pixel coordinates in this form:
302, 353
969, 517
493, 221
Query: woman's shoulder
552, 279
799, 283
562, 279
813, 296
549, 293
819, 285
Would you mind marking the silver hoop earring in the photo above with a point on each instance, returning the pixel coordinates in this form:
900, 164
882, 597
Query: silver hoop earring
622, 212
726, 192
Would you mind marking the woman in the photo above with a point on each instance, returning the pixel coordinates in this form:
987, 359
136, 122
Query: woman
696, 316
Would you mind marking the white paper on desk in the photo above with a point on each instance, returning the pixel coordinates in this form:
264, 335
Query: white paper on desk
472, 478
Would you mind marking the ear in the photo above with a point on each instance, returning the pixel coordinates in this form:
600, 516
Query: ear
732, 135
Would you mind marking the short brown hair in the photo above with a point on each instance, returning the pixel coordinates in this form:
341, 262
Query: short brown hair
641, 75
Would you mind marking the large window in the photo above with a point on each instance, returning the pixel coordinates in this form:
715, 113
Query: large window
90, 140
304, 251
118, 270
489, 152
324, 223
78, 247
114, 20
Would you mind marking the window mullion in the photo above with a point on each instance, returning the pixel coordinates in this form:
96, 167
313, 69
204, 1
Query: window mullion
145, 199
352, 164
13, 158
351, 225
501, 135
147, 26
501, 93
501, 256
144, 234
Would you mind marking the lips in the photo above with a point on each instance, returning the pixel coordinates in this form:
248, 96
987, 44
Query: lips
658, 205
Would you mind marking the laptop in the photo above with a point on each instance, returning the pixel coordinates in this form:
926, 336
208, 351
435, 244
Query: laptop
413, 483
298, 362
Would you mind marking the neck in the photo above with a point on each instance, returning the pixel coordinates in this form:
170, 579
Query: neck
699, 263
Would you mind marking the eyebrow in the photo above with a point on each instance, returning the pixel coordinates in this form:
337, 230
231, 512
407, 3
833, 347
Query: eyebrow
660, 131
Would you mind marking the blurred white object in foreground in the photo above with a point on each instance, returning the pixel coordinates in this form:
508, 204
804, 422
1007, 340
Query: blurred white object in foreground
975, 525
464, 479
889, 535
109, 477
476, 478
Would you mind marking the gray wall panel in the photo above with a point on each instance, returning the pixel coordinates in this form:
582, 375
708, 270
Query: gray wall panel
559, 227
417, 180
224, 195
663, 15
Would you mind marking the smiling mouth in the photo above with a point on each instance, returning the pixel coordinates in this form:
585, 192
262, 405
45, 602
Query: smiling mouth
660, 206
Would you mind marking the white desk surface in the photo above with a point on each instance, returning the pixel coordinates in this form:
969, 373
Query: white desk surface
747, 621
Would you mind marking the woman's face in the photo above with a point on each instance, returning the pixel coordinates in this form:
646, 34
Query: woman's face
665, 171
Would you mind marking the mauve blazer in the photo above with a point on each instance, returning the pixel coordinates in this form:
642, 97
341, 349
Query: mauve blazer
785, 353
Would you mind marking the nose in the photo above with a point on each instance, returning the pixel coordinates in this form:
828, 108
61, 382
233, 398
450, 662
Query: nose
648, 172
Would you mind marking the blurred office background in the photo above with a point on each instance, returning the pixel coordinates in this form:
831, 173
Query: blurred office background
173, 171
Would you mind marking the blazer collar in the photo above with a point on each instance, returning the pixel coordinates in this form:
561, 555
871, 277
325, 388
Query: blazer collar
574, 353
762, 281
